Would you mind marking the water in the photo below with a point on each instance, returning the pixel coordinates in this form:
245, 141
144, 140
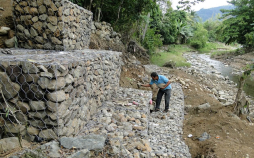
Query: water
227, 71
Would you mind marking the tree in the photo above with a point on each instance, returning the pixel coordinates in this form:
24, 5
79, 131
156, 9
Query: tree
238, 23
186, 5
239, 105
200, 37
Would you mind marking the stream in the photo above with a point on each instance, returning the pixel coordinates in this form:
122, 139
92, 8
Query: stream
227, 71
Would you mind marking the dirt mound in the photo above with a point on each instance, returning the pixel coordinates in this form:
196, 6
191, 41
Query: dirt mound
97, 43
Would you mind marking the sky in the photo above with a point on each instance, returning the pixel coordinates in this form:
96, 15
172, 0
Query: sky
204, 5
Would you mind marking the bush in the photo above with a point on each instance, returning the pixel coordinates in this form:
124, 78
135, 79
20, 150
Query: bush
152, 40
200, 37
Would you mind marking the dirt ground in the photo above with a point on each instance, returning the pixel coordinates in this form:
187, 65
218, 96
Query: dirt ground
230, 136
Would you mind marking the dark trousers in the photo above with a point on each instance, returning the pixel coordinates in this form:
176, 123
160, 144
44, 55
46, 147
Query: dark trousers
167, 93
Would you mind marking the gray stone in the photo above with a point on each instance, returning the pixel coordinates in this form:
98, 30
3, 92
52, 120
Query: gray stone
52, 27
56, 40
52, 106
11, 144
204, 106
33, 32
46, 74
90, 142
10, 43
29, 68
43, 17
48, 134
52, 20
57, 96
37, 115
42, 9
37, 105
15, 129
35, 19
4, 30
9, 89
45, 83
28, 78
39, 39
204, 137
81, 154
21, 117
32, 131
52, 148
20, 28
24, 107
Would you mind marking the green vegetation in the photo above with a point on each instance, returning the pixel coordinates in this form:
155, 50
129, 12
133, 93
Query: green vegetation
174, 53
151, 25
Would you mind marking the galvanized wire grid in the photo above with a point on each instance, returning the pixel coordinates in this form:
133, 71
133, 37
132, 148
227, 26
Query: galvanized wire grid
51, 25
52, 95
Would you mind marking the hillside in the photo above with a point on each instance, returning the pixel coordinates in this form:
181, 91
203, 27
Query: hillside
205, 14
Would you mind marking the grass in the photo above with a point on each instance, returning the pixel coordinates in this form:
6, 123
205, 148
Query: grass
213, 46
171, 52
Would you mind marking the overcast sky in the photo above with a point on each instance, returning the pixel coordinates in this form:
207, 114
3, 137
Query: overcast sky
205, 5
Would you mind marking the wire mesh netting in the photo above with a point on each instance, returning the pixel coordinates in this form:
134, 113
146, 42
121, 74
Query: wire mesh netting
51, 24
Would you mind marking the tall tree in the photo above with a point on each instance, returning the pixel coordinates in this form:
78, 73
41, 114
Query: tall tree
238, 26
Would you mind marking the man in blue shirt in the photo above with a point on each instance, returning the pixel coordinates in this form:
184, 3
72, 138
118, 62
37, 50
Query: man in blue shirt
165, 88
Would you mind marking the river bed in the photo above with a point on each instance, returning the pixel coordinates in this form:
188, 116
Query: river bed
229, 72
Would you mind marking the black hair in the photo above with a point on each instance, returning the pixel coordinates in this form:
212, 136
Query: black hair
154, 74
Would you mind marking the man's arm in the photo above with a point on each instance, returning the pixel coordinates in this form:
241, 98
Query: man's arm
166, 85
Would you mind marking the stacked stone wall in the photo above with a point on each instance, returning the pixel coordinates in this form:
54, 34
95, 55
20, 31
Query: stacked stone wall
52, 25
52, 94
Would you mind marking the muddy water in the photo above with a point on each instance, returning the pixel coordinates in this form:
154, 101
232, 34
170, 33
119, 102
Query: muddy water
227, 71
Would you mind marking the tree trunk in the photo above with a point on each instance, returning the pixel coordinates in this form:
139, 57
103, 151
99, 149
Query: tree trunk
99, 14
147, 23
239, 104
90, 7
119, 9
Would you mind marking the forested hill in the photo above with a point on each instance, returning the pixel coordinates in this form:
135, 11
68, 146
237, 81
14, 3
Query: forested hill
205, 14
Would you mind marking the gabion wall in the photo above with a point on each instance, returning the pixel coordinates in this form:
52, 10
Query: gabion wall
51, 25
52, 94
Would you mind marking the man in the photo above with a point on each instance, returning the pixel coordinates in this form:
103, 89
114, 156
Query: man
165, 88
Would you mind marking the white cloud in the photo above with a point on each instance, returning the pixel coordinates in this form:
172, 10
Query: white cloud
206, 4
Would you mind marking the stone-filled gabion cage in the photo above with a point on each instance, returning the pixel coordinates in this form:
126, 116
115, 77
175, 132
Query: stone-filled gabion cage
52, 94
51, 25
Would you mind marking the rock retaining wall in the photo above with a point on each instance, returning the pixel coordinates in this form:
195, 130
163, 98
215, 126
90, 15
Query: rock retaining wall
52, 94
52, 25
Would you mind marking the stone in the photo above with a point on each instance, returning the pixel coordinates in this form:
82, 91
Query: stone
52, 149
33, 32
52, 106
56, 40
23, 106
32, 131
42, 9
48, 134
29, 68
35, 19
57, 96
19, 9
38, 26
33, 11
53, 20
37, 123
21, 117
204, 106
204, 137
43, 17
37, 105
47, 2
45, 83
20, 28
11, 144
10, 43
28, 78
51, 27
9, 89
4, 30
15, 129
39, 39
31, 92
89, 142
27, 33
37, 115
85, 153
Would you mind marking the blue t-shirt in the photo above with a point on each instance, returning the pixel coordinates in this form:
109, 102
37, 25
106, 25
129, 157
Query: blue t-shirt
162, 79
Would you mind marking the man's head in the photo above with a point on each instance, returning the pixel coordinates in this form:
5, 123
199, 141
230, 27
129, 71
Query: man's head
154, 76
